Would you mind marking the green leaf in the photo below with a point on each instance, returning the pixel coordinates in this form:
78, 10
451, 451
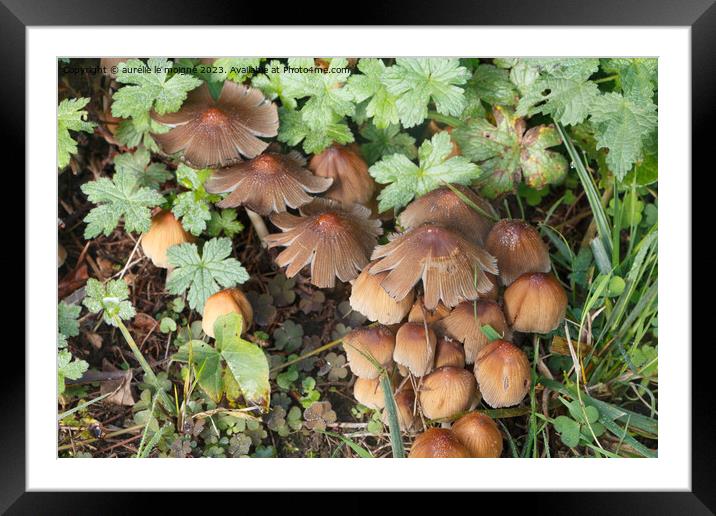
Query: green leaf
193, 207
384, 142
405, 179
507, 153
67, 323
109, 298
273, 84
622, 125
206, 274
149, 86
382, 106
68, 367
167, 325
293, 130
224, 222
122, 196
70, 117
492, 85
566, 100
236, 69
150, 175
206, 361
637, 77
418, 81
568, 429
246, 361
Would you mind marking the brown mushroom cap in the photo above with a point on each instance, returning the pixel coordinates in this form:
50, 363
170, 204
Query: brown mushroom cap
224, 302
415, 348
369, 298
446, 208
351, 181
377, 342
267, 184
535, 303
369, 392
447, 391
518, 248
452, 269
405, 404
465, 324
438, 443
449, 353
418, 313
215, 134
334, 240
503, 374
479, 434
164, 232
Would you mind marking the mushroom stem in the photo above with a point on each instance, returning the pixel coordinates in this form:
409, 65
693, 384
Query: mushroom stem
259, 225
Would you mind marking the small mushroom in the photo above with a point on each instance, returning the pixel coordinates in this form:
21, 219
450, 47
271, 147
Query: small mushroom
503, 374
164, 232
418, 313
447, 391
336, 241
518, 249
267, 184
438, 443
465, 324
369, 392
217, 133
369, 298
535, 303
377, 342
351, 181
480, 435
452, 268
225, 302
445, 207
415, 348
449, 353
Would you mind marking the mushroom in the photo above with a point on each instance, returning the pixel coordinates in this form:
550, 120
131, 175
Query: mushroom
535, 303
216, 133
405, 403
518, 249
369, 392
449, 353
447, 391
225, 302
438, 443
369, 298
415, 348
164, 232
479, 434
336, 241
452, 268
267, 184
465, 324
503, 374
351, 181
447, 208
418, 313
377, 342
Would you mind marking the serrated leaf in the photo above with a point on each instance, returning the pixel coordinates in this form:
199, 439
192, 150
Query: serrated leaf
224, 222
405, 179
293, 130
138, 163
67, 323
68, 367
637, 77
70, 117
109, 298
418, 81
492, 85
206, 274
567, 100
237, 69
384, 142
382, 106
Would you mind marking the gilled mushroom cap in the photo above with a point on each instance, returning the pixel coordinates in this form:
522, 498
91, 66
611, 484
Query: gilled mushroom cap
415, 348
377, 342
164, 232
369, 392
465, 324
215, 134
503, 374
449, 353
535, 303
518, 249
405, 403
418, 312
447, 391
438, 443
452, 268
267, 184
479, 434
351, 181
225, 302
369, 298
446, 208
336, 241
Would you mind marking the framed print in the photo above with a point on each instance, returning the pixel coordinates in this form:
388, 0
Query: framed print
445, 243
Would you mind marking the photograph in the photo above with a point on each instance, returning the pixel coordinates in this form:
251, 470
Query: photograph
357, 257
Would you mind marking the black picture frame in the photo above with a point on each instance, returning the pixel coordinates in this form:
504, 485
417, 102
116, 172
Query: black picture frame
700, 15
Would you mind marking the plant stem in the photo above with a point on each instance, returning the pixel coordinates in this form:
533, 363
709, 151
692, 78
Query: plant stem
396, 440
135, 349
445, 119
259, 225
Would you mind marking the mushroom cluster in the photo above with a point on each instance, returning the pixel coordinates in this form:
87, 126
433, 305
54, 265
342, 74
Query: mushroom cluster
432, 291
